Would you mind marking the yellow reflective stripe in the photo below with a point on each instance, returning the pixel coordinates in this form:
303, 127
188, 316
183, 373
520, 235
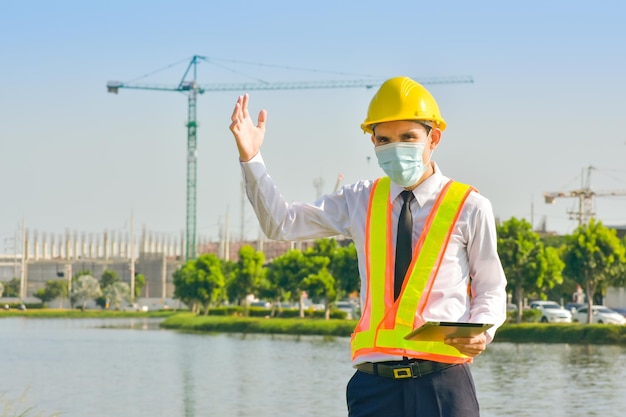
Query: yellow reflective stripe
363, 339
376, 261
446, 209
388, 338
430, 252
377, 256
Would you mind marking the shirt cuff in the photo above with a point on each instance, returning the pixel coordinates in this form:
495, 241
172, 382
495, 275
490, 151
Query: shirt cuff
254, 168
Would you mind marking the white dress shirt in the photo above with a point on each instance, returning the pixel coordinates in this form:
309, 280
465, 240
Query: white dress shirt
471, 252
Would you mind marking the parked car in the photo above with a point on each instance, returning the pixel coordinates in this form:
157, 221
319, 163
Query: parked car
261, 303
347, 307
620, 310
574, 306
552, 312
601, 314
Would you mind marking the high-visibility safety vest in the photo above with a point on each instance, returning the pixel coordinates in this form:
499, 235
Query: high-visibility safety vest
384, 322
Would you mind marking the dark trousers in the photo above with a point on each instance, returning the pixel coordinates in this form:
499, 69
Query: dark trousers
447, 393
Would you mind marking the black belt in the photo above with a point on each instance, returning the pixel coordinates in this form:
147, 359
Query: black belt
402, 370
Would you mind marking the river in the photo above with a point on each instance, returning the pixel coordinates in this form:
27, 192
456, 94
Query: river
131, 367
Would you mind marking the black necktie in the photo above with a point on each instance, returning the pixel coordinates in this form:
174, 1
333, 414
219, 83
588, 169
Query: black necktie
404, 251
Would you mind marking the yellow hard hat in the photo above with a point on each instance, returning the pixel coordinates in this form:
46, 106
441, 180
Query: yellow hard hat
402, 98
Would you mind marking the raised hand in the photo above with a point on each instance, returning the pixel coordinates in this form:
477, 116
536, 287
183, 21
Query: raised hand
249, 136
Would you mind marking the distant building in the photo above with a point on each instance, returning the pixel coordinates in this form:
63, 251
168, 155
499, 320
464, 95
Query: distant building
156, 257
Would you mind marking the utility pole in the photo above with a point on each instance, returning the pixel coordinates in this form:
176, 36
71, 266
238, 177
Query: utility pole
132, 256
15, 267
23, 263
243, 212
227, 238
318, 183
68, 274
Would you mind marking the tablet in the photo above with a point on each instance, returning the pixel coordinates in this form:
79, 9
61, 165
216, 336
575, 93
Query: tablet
436, 331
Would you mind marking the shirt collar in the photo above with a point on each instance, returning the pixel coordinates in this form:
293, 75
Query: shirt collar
425, 190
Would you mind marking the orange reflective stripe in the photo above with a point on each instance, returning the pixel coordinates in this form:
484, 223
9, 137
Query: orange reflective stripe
384, 322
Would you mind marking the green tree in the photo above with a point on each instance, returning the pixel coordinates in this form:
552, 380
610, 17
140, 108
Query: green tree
81, 273
84, 289
211, 280
324, 247
345, 268
528, 266
184, 278
287, 271
553, 276
268, 291
56, 288
247, 275
116, 293
1, 289
12, 288
619, 279
593, 257
74, 279
284, 276
140, 282
108, 278
200, 282
343, 265
322, 285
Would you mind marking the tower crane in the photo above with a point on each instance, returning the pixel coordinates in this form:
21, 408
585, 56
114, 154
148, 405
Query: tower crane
189, 85
585, 196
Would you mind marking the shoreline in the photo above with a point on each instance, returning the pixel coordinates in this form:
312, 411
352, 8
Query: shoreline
572, 333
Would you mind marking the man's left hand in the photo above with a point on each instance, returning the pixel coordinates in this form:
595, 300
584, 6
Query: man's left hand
470, 346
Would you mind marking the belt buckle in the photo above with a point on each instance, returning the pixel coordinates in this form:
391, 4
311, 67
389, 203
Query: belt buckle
403, 372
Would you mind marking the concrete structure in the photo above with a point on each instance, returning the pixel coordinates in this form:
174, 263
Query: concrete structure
155, 256
49, 257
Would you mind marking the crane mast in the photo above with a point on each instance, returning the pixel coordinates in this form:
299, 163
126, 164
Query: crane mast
192, 174
193, 89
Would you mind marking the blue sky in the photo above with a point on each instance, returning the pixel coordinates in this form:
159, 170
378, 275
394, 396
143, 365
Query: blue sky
546, 103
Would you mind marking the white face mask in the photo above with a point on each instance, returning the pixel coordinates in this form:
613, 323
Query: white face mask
402, 161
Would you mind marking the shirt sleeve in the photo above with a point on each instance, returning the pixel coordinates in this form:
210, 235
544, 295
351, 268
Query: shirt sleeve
488, 282
280, 220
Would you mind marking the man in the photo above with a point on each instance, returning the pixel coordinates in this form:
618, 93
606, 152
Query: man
426, 249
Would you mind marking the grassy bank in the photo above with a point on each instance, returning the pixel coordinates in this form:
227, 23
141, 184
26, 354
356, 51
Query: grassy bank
78, 314
574, 333
225, 324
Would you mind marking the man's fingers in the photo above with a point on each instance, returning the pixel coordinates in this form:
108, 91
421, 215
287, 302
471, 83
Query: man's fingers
469, 346
244, 105
262, 119
237, 110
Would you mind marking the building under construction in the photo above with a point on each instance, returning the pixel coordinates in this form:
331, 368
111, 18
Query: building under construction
156, 256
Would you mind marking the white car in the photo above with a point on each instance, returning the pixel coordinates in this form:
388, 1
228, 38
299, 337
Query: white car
349, 308
552, 312
601, 314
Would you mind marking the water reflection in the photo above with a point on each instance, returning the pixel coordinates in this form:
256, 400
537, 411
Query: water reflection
102, 368
531, 379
